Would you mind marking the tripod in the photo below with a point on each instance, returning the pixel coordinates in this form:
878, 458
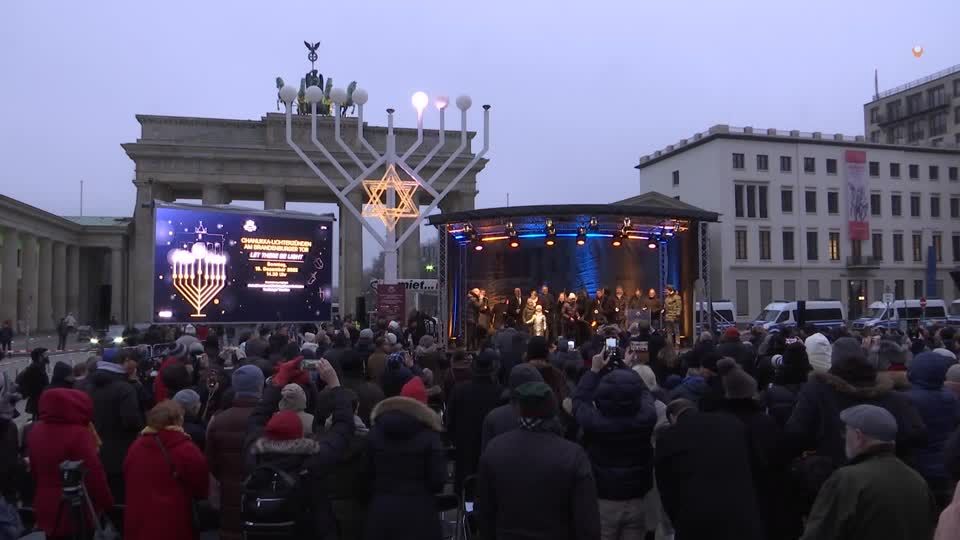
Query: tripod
73, 501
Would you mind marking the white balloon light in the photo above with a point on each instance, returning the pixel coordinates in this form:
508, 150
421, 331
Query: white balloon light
314, 94
360, 96
338, 96
441, 102
288, 94
464, 102
420, 101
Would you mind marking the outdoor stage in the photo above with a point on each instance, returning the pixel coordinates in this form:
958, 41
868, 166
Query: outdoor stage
648, 241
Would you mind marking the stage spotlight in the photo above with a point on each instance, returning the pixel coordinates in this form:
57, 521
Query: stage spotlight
581, 236
550, 241
514, 243
511, 231
626, 223
652, 245
617, 239
478, 247
593, 223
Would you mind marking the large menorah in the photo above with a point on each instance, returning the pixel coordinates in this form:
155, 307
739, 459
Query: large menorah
198, 275
390, 198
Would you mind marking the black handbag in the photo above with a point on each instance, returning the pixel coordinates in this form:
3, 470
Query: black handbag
202, 516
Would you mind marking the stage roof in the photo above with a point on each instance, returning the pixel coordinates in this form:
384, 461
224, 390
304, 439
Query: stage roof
650, 204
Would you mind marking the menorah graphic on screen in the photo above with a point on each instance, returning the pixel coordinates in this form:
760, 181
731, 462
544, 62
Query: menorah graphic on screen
199, 269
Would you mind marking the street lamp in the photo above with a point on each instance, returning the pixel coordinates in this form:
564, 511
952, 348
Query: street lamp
398, 194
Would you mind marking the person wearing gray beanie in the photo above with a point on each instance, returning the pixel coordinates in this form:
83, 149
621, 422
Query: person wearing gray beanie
193, 425
293, 398
247, 382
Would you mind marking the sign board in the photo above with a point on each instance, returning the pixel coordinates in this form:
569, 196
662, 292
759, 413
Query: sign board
412, 285
888, 298
391, 302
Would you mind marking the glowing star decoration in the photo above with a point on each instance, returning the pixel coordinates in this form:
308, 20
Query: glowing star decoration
917, 51
376, 190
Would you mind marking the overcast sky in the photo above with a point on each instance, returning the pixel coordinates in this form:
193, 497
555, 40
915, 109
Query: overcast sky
579, 89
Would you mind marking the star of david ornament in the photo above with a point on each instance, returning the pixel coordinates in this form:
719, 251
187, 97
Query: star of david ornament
376, 193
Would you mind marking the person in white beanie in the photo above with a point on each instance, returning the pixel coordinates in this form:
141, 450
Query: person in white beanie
293, 398
818, 351
309, 342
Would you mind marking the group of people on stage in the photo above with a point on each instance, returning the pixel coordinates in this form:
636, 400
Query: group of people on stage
574, 315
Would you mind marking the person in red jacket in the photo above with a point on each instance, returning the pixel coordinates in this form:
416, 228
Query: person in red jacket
164, 472
65, 433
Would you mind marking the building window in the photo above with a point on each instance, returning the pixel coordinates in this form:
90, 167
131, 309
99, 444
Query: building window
914, 171
914, 131
810, 201
741, 238
918, 288
934, 206
833, 202
831, 166
876, 244
751, 201
875, 136
894, 170
899, 289
938, 246
914, 103
763, 162
738, 161
878, 288
789, 290
809, 165
917, 247
743, 297
738, 200
896, 136
955, 240
914, 206
874, 168
953, 173
897, 247
676, 178
835, 286
938, 124
954, 207
874, 204
787, 245
874, 113
786, 164
895, 202
956, 88
766, 291
764, 245
834, 246
936, 97
762, 201
813, 289
956, 115
934, 172
786, 201
812, 246
894, 111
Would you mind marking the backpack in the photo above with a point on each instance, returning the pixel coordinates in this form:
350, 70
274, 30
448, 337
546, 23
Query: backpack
271, 502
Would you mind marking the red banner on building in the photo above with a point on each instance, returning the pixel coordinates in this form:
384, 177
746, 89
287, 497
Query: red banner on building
858, 195
392, 302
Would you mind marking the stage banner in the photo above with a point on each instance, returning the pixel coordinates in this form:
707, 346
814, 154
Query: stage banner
391, 302
858, 195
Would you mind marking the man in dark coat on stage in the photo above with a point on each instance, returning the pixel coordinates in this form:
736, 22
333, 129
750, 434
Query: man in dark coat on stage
515, 305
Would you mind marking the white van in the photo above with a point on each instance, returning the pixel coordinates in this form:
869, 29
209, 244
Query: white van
881, 316
820, 313
953, 315
723, 314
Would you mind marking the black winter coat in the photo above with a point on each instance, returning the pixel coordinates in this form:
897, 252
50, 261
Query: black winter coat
368, 395
617, 432
536, 486
469, 405
117, 417
703, 473
815, 423
497, 422
408, 465
31, 383
316, 458
780, 400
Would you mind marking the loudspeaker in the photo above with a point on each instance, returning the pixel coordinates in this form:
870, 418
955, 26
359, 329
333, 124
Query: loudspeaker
801, 313
360, 311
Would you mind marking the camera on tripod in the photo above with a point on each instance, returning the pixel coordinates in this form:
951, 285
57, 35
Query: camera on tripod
71, 477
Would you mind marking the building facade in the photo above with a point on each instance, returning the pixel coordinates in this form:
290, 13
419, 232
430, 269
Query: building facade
925, 111
784, 230
52, 265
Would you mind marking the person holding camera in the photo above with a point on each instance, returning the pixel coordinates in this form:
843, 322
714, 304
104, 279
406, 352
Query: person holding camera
65, 434
617, 414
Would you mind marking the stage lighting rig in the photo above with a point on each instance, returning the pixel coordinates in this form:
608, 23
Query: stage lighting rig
551, 233
618, 239
581, 236
594, 223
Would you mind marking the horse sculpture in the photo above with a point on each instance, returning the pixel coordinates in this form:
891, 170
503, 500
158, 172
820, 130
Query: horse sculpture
324, 106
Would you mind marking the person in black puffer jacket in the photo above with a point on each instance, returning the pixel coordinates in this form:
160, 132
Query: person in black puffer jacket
792, 370
116, 415
469, 405
617, 415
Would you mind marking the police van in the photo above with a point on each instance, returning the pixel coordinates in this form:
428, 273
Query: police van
824, 314
953, 316
723, 314
881, 315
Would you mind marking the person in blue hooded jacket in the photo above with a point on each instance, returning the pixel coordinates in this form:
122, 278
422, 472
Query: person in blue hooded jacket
616, 412
940, 411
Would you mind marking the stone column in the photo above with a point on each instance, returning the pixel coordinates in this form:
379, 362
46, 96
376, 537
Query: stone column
10, 275
215, 194
59, 280
29, 278
45, 313
116, 284
73, 281
351, 255
141, 256
274, 198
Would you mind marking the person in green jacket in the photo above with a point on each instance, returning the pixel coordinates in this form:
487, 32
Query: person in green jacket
875, 495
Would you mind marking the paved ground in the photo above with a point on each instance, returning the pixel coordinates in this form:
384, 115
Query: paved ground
22, 345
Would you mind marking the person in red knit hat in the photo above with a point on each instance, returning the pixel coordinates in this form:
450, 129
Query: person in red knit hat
415, 389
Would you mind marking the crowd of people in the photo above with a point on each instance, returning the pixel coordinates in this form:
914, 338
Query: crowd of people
335, 432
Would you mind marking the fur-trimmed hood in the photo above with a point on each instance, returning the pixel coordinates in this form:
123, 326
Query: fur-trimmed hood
292, 447
408, 407
880, 387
